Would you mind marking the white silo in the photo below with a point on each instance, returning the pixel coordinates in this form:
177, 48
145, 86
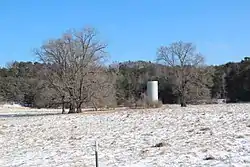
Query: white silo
152, 91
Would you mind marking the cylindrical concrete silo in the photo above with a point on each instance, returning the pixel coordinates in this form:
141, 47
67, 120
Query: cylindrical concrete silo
152, 91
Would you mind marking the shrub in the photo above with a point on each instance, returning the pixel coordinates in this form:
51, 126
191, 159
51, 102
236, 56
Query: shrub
130, 103
144, 103
156, 104
112, 106
141, 104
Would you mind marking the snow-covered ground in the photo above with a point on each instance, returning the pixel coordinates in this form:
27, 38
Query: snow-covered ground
202, 135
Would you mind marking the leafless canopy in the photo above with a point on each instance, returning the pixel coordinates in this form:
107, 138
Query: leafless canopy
74, 64
180, 54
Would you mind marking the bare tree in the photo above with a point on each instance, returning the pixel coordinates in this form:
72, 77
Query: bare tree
185, 62
73, 63
104, 90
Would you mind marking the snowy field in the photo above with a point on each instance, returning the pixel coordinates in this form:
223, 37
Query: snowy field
204, 135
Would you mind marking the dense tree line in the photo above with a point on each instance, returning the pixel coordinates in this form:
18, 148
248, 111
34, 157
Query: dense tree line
24, 83
71, 74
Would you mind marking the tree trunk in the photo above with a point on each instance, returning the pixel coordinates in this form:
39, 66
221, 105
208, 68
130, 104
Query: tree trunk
96, 108
79, 107
72, 107
184, 104
183, 101
63, 105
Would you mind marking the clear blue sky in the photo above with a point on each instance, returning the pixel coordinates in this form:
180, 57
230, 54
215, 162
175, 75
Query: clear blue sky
134, 29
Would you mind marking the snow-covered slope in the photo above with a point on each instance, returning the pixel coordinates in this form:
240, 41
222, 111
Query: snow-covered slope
202, 135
